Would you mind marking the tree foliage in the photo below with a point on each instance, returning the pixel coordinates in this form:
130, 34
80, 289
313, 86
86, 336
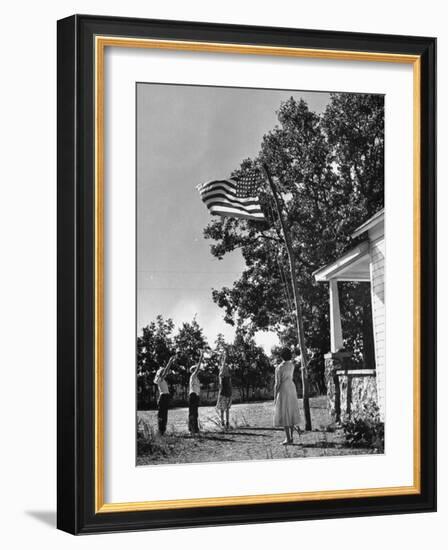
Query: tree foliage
250, 365
251, 371
154, 348
189, 341
329, 170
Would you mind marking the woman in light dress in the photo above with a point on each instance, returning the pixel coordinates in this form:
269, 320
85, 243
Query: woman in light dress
225, 392
286, 413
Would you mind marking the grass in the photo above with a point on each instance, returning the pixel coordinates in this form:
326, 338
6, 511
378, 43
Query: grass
251, 436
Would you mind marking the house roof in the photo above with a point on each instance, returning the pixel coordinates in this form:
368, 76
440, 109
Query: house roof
354, 265
369, 224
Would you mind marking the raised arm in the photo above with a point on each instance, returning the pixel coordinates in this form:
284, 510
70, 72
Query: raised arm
223, 359
198, 366
167, 369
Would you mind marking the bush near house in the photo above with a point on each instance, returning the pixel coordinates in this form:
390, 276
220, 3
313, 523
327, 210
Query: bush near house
364, 427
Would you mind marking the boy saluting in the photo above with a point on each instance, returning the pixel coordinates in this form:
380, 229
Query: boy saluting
164, 394
195, 392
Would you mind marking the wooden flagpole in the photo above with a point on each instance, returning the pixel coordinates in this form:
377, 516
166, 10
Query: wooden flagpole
298, 307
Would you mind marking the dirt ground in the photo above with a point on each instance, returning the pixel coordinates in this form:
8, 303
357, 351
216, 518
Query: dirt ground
250, 436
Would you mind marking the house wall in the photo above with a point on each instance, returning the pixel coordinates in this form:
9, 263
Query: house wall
377, 253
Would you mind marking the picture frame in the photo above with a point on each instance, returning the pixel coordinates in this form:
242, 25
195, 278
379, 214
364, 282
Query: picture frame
82, 42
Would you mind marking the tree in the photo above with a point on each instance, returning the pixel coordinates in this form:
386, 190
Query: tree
250, 365
189, 341
329, 171
354, 124
154, 348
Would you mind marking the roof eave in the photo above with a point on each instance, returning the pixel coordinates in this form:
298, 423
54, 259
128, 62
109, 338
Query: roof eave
369, 224
330, 271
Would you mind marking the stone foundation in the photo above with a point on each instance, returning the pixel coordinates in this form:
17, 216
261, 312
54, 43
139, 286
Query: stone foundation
356, 387
347, 388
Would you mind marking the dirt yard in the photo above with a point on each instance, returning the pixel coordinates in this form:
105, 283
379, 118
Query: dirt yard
251, 436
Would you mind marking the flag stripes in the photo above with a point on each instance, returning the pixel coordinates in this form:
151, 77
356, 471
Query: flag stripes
233, 197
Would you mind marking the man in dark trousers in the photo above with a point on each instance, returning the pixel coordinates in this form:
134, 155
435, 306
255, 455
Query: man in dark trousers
195, 393
164, 394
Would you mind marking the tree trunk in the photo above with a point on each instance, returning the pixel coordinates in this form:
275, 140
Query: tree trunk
299, 318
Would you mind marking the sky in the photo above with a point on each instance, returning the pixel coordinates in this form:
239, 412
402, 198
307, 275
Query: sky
187, 135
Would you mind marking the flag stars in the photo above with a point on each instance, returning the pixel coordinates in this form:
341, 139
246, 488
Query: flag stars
248, 185
235, 197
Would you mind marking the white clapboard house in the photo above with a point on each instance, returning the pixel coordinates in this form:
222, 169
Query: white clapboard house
364, 262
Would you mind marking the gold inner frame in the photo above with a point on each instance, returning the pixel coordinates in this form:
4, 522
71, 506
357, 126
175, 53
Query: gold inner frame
101, 42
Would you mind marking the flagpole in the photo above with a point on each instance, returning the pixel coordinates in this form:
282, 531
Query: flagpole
298, 307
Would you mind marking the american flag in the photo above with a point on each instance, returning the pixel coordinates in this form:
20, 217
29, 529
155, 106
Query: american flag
234, 197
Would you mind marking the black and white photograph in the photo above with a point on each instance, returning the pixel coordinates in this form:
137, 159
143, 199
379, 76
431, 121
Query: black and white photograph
222, 282
260, 324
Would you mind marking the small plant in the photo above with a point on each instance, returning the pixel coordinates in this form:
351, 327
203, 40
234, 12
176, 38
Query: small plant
364, 428
150, 443
269, 453
216, 421
324, 443
240, 421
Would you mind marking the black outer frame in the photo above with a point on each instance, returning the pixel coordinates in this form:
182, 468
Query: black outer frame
75, 172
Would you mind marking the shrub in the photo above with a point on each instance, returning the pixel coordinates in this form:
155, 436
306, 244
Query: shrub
149, 443
364, 427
